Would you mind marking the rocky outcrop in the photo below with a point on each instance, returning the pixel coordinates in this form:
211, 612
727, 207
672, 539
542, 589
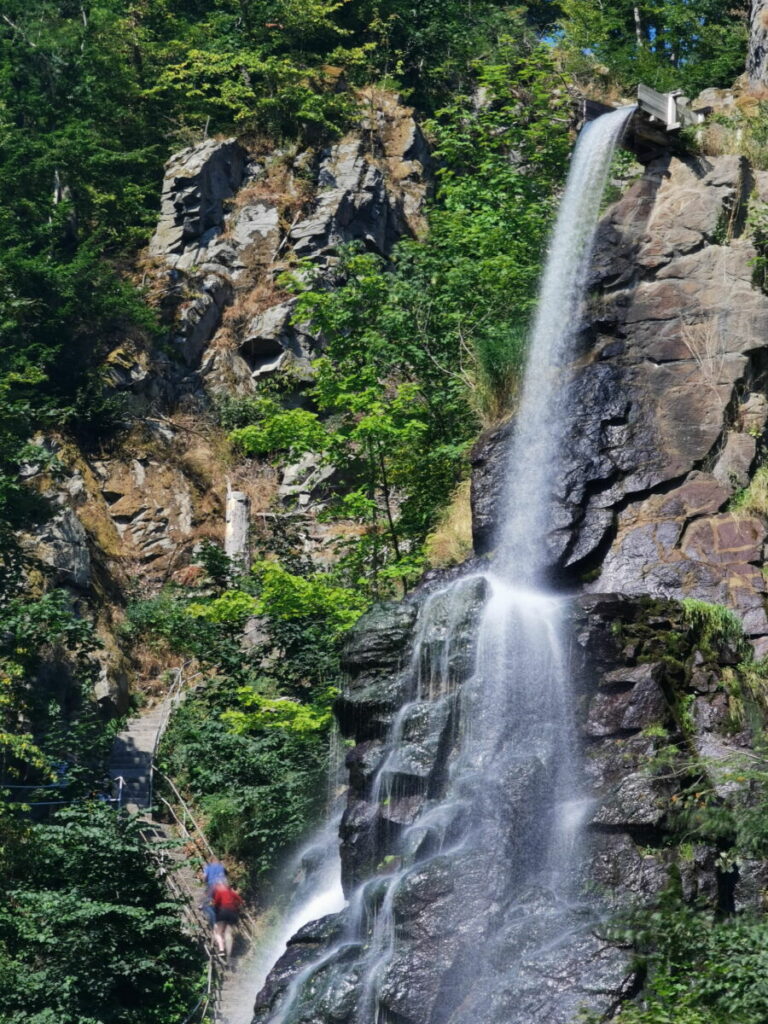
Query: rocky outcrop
198, 181
668, 411
232, 221
669, 402
651, 692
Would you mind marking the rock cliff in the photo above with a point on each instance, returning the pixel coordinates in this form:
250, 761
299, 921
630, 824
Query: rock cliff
133, 514
669, 408
668, 411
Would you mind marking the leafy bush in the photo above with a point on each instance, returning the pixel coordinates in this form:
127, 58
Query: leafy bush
86, 931
701, 970
294, 431
251, 748
258, 785
55, 720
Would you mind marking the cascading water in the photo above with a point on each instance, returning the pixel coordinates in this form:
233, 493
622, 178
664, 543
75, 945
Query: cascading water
494, 836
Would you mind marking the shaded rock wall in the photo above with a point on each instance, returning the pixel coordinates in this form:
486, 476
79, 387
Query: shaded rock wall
757, 56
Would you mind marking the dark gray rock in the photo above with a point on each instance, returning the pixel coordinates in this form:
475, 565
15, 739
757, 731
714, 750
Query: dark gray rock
197, 182
62, 544
628, 706
488, 467
636, 801
757, 57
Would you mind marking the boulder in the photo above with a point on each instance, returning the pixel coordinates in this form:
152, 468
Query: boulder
488, 480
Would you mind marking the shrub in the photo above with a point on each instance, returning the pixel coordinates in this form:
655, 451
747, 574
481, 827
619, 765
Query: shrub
87, 932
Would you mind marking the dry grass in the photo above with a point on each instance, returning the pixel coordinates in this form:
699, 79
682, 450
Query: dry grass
742, 134
451, 541
248, 303
706, 342
754, 500
259, 482
279, 186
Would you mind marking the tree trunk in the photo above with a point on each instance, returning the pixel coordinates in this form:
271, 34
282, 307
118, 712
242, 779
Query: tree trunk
757, 56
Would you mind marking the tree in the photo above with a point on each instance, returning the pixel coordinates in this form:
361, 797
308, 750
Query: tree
417, 358
669, 45
86, 931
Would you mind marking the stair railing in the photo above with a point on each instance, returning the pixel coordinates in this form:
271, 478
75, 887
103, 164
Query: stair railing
172, 699
201, 842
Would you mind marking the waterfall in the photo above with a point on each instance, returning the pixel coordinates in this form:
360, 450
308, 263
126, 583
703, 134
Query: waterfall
496, 839
532, 460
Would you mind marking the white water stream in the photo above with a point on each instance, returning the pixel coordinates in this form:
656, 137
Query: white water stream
509, 815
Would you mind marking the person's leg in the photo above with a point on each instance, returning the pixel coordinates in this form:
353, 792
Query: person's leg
219, 933
229, 939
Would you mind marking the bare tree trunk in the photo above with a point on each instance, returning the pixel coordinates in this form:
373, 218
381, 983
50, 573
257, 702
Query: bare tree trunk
638, 27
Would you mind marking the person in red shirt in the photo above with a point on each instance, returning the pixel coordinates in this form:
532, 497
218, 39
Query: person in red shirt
226, 906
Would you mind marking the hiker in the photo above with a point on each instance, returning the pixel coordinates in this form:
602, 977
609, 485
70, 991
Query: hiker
214, 873
226, 905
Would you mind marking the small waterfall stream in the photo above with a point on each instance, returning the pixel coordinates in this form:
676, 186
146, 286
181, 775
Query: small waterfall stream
498, 838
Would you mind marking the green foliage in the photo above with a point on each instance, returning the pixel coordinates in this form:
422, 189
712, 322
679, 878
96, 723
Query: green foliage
217, 565
258, 779
233, 607
417, 358
54, 721
675, 44
287, 596
261, 712
253, 91
86, 932
701, 969
251, 749
757, 222
293, 431
715, 624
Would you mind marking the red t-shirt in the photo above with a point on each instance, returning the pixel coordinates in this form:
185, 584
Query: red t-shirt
225, 898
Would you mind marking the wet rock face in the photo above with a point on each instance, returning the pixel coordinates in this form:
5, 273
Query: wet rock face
382, 677
636, 663
488, 465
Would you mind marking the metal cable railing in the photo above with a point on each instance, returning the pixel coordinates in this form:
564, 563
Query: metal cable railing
172, 698
196, 922
199, 839
191, 831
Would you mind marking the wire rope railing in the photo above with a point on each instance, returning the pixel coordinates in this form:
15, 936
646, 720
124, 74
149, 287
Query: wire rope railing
192, 833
